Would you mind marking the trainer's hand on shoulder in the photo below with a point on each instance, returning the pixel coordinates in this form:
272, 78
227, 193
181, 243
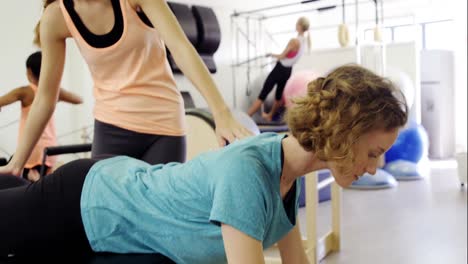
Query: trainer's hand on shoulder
228, 129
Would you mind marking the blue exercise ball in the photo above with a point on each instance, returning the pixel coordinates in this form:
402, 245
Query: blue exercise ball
381, 180
404, 170
411, 144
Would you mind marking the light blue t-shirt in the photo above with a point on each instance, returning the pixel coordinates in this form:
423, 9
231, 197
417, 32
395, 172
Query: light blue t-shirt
129, 206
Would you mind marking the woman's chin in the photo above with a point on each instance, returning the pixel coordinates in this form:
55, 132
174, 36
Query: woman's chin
343, 182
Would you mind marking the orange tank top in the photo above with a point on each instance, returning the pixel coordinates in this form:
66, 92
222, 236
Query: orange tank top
133, 83
48, 138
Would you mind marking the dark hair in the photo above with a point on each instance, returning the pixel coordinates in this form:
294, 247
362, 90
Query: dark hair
34, 63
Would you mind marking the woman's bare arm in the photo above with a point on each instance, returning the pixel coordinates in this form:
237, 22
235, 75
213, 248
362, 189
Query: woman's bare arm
241, 248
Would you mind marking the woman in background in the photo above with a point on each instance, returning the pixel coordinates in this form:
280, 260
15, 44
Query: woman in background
25, 95
282, 70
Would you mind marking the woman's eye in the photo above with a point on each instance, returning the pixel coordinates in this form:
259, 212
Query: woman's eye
372, 156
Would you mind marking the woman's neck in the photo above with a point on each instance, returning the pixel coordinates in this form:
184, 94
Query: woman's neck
297, 161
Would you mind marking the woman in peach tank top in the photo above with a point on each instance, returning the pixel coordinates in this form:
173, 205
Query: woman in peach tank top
138, 111
25, 95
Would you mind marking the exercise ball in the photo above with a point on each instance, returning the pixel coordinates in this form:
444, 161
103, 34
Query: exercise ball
381, 180
403, 82
412, 144
201, 134
246, 121
296, 86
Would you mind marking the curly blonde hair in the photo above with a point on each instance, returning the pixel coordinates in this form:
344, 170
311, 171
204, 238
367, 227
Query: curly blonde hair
340, 108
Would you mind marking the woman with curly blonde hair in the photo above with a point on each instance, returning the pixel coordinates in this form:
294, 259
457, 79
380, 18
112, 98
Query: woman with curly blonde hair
343, 111
222, 206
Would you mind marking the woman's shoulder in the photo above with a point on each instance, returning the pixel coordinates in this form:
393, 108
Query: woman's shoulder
259, 150
54, 20
28, 95
261, 141
52, 10
295, 41
294, 44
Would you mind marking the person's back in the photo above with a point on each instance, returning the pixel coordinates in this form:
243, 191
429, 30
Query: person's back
293, 56
282, 70
175, 209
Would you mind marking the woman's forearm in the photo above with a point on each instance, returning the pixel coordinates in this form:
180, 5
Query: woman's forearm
39, 114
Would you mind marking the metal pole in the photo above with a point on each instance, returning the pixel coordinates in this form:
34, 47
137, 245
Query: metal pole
384, 43
274, 7
245, 36
248, 55
255, 26
320, 9
381, 12
334, 26
376, 12
358, 48
233, 68
344, 11
253, 59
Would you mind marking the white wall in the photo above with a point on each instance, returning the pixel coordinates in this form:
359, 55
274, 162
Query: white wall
16, 28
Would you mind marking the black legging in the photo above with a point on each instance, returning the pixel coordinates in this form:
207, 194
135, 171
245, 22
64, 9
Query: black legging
110, 140
44, 217
279, 76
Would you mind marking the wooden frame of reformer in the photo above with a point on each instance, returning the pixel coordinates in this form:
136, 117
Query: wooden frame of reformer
316, 247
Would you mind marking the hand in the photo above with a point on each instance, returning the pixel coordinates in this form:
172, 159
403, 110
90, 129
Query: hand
228, 129
9, 169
